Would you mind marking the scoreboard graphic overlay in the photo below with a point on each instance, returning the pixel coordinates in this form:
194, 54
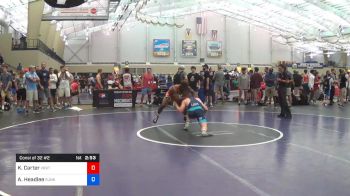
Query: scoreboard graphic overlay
57, 169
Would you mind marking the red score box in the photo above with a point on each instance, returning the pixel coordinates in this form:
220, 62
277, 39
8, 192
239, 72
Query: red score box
93, 168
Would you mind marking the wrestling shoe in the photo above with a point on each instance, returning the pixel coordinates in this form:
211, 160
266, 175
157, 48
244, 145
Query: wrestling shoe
156, 117
187, 125
206, 134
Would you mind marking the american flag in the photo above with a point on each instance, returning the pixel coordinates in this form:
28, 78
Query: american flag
201, 24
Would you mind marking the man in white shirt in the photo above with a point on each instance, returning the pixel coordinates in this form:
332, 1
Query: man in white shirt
64, 78
53, 88
311, 84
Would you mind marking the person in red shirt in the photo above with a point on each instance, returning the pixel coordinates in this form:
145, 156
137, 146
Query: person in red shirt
255, 84
147, 82
74, 87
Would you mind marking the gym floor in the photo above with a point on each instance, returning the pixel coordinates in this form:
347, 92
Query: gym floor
252, 151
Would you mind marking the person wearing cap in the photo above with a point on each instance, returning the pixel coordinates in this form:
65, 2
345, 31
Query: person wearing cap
32, 80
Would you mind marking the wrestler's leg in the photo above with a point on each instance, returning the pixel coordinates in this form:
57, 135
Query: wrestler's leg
187, 121
163, 105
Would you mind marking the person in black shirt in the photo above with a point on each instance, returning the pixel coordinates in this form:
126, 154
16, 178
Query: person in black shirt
1, 59
342, 86
284, 80
298, 80
43, 86
208, 85
193, 79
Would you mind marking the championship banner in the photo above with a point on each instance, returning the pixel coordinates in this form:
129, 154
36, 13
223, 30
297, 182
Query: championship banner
123, 99
161, 47
189, 48
188, 35
214, 49
310, 65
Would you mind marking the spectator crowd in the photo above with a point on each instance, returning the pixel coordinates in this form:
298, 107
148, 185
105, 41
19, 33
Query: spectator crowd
38, 87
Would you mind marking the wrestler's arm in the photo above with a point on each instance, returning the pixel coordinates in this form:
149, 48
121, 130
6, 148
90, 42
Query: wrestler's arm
183, 105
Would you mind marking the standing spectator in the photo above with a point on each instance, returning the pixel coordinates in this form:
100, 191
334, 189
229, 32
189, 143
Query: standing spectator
255, 84
208, 83
128, 82
43, 89
19, 67
147, 84
219, 78
180, 75
64, 78
332, 93
194, 80
127, 79
306, 83
91, 84
32, 81
5, 86
244, 86
347, 76
316, 89
270, 81
53, 88
298, 80
14, 89
311, 84
1, 59
74, 91
327, 85
82, 83
227, 85
99, 85
289, 89
342, 87
21, 92
283, 80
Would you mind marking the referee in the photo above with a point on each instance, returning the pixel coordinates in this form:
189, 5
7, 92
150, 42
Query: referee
284, 81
